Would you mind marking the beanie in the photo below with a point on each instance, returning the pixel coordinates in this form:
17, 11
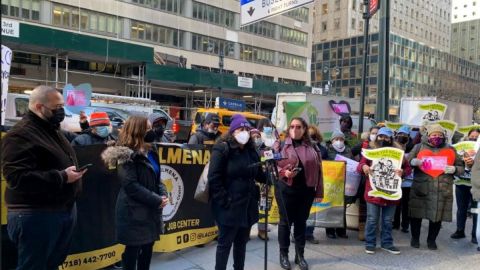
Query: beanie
99, 119
238, 121
338, 134
435, 128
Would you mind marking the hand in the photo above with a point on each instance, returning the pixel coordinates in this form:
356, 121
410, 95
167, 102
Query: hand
416, 162
399, 172
72, 175
164, 202
290, 174
366, 169
450, 169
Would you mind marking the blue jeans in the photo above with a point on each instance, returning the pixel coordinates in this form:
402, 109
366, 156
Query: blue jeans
373, 216
42, 238
464, 198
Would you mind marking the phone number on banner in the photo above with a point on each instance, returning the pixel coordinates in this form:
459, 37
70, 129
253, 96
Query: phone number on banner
94, 259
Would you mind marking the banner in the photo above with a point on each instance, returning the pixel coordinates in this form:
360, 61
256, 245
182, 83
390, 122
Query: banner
393, 126
465, 149
465, 129
6, 63
353, 178
330, 212
384, 181
450, 127
423, 113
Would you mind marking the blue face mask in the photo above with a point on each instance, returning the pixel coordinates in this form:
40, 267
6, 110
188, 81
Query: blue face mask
268, 130
102, 131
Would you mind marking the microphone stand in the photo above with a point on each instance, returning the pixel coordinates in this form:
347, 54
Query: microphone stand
272, 176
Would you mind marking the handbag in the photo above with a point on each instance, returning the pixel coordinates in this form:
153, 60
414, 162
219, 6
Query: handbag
201, 193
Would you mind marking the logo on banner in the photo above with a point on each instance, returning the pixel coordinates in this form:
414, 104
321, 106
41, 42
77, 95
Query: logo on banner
175, 190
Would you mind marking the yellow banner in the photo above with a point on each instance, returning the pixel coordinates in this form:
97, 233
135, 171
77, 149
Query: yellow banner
92, 260
184, 239
273, 214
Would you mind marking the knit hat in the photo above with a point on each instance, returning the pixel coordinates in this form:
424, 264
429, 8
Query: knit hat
404, 129
212, 118
337, 134
154, 117
385, 131
435, 128
255, 131
99, 119
237, 122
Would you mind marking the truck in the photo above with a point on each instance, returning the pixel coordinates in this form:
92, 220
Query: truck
322, 111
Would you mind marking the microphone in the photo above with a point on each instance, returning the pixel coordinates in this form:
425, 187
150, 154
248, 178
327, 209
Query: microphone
267, 156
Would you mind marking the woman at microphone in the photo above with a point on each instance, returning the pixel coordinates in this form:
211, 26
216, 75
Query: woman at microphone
233, 193
300, 183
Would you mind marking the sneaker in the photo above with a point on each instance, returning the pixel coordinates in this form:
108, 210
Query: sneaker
118, 265
370, 250
392, 250
312, 240
458, 235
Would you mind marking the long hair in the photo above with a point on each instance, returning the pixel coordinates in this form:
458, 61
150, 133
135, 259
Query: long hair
305, 137
317, 136
133, 133
264, 122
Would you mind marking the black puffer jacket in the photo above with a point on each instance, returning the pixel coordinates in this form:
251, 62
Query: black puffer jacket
138, 216
90, 139
204, 137
233, 193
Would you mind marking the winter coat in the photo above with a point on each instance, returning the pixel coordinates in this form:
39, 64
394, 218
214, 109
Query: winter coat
407, 170
476, 178
203, 137
332, 153
432, 197
138, 215
233, 194
90, 139
35, 155
311, 160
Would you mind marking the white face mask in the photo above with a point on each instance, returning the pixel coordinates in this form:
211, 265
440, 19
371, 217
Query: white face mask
242, 137
212, 130
373, 137
339, 146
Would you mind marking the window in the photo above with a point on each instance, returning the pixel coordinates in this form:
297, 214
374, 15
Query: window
174, 6
353, 23
354, 5
336, 23
324, 26
156, 34
262, 28
300, 14
292, 61
255, 54
213, 15
324, 9
337, 5
22, 9
293, 36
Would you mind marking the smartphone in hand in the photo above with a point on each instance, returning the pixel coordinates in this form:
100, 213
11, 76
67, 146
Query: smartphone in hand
84, 167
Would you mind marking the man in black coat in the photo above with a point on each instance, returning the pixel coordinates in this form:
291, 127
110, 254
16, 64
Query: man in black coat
208, 132
98, 133
42, 183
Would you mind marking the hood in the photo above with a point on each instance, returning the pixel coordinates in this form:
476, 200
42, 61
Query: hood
114, 155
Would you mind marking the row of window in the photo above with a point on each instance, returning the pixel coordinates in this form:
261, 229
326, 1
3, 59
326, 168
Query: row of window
157, 34
213, 15
212, 45
293, 36
24, 9
257, 55
292, 61
262, 28
299, 14
174, 6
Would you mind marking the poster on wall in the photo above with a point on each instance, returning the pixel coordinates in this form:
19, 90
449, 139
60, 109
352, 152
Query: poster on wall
6, 63
383, 178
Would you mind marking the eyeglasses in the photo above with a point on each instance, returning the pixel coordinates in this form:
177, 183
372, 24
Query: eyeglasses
296, 127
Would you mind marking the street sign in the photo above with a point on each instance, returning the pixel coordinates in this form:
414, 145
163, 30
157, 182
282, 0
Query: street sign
230, 104
256, 10
245, 82
10, 28
317, 90
373, 7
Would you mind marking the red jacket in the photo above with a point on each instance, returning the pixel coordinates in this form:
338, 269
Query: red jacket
407, 170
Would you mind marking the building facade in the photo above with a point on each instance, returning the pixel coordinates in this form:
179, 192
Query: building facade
415, 70
204, 36
466, 30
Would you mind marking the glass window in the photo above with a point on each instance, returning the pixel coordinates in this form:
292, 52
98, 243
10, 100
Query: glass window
102, 23
57, 16
324, 9
93, 22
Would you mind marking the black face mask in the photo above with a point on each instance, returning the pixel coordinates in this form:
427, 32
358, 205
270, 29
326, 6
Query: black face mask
385, 143
159, 130
402, 139
150, 136
472, 139
57, 116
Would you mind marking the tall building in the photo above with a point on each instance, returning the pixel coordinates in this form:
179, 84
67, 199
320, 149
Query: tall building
427, 22
466, 30
176, 51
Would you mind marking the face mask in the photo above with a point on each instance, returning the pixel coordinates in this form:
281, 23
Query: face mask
57, 116
158, 131
339, 146
373, 137
402, 139
258, 142
242, 137
268, 130
102, 131
150, 136
384, 143
212, 131
472, 139
436, 141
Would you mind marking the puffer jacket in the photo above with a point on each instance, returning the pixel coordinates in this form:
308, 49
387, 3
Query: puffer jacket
432, 197
407, 170
138, 214
476, 178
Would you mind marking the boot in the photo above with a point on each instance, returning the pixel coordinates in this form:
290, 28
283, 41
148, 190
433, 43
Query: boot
415, 243
361, 231
459, 234
284, 262
433, 230
300, 260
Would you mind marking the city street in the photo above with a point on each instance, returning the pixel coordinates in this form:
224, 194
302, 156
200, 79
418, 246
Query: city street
340, 253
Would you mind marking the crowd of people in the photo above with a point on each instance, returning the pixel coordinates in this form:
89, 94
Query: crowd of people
41, 169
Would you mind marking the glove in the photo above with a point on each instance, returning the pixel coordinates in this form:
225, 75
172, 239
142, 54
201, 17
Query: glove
450, 169
416, 162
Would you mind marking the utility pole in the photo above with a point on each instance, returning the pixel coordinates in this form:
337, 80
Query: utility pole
383, 62
366, 17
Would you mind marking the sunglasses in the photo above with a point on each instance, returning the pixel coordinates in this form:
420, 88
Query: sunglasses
296, 127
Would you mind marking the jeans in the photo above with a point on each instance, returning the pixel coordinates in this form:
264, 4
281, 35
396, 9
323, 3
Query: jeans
373, 216
464, 198
227, 235
137, 257
42, 238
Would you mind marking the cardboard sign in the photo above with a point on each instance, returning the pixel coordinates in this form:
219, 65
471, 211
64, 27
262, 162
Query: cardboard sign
435, 170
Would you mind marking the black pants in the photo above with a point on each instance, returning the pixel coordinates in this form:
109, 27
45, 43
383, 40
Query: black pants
433, 229
294, 205
137, 257
227, 236
401, 213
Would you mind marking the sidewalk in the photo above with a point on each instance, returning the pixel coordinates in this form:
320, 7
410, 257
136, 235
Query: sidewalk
345, 254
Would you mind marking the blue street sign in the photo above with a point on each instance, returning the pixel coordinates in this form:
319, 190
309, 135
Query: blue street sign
231, 104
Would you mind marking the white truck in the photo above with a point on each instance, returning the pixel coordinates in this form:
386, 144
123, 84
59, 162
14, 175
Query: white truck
317, 110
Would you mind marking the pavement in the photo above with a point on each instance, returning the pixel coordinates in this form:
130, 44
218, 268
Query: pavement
341, 254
